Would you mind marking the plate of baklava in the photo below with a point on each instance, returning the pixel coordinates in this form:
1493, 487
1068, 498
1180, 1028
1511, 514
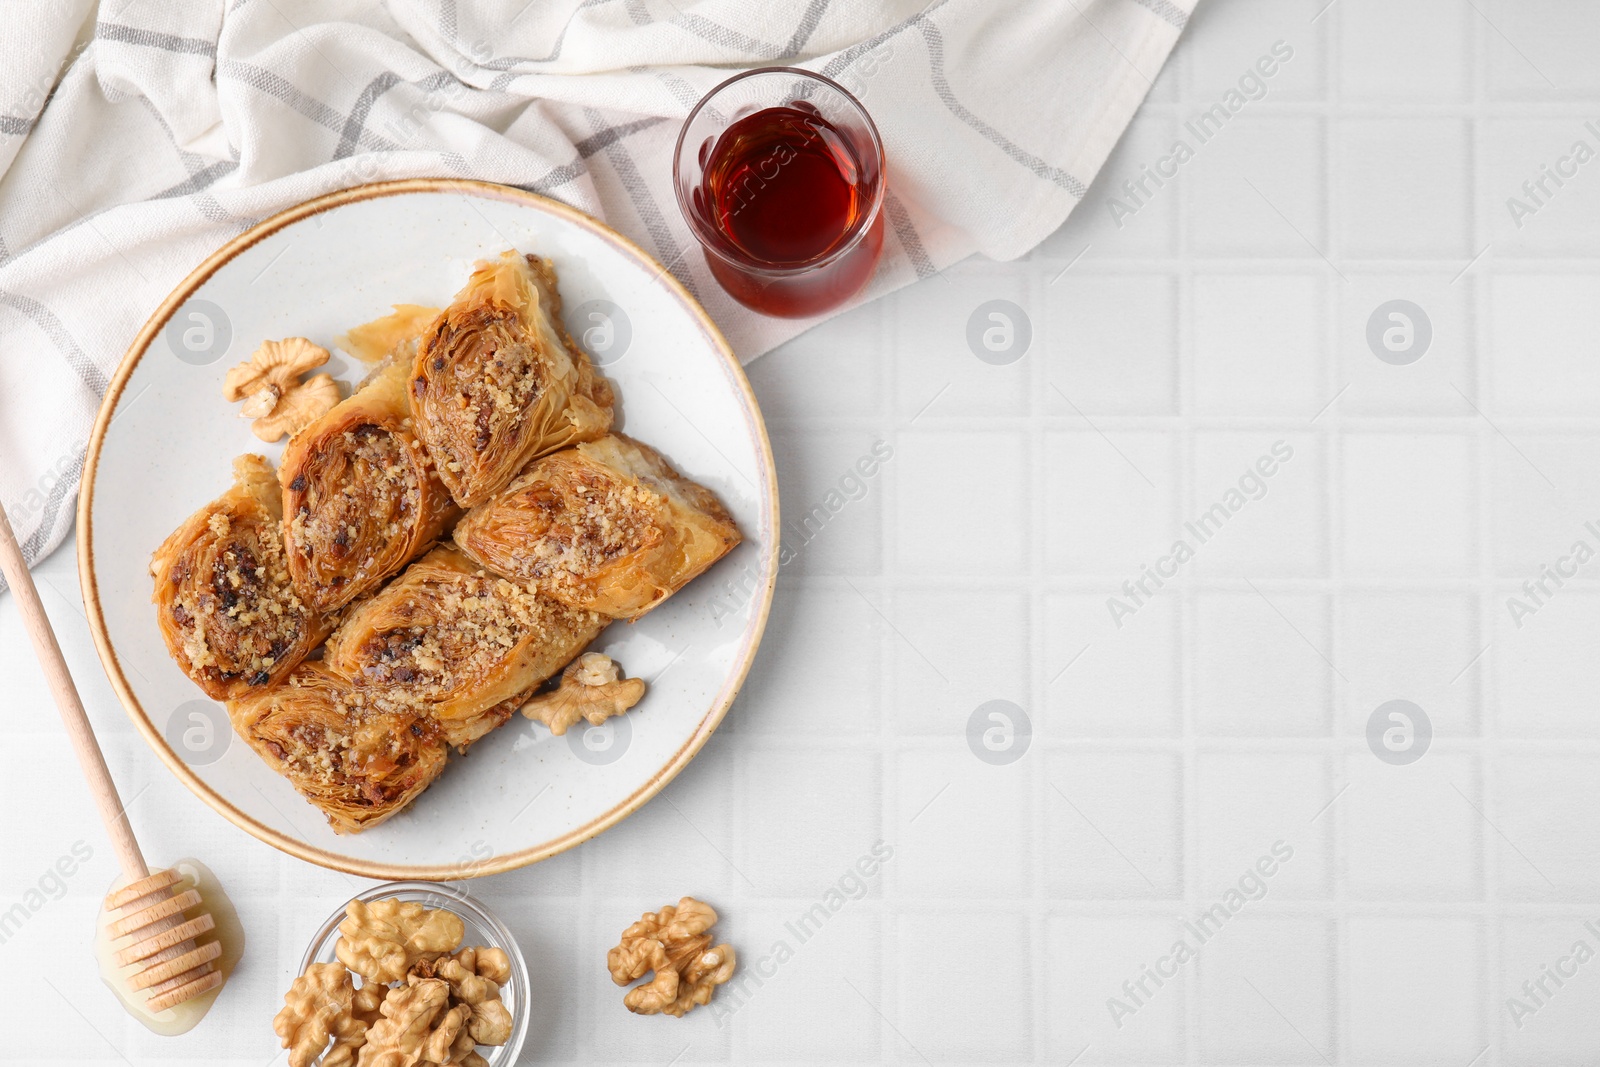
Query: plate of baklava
428, 529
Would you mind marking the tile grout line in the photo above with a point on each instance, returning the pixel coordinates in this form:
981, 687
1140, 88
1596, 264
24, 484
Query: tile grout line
739, 1032
1039, 918
1185, 503
890, 755
1490, 931
1441, 425
589, 1006
1488, 868
1148, 744
1331, 609
1375, 108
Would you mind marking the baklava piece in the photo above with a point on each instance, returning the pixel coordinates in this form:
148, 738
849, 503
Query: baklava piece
608, 526
225, 603
463, 645
497, 381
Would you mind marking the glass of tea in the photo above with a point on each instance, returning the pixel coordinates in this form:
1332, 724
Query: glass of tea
780, 174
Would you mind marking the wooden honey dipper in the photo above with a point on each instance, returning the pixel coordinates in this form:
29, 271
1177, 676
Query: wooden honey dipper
151, 911
175, 966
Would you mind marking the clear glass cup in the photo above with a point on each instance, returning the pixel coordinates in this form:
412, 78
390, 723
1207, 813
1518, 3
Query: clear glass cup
786, 287
482, 928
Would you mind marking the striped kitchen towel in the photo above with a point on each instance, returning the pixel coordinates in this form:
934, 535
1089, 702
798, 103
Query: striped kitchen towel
138, 135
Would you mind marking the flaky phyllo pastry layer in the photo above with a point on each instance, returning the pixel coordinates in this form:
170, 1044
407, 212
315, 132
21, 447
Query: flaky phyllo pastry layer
394, 337
458, 640
360, 495
355, 753
496, 381
608, 526
225, 603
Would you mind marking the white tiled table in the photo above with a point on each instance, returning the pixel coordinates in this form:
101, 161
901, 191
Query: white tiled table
1166, 757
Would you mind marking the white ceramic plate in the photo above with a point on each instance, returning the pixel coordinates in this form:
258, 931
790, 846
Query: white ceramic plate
164, 445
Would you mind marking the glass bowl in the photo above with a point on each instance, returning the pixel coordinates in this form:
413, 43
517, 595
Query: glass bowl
482, 928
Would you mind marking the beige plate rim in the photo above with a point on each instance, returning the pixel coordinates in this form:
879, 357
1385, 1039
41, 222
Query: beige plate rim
113, 666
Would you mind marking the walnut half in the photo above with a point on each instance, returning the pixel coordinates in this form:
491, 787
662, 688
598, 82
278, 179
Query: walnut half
411, 1023
316, 1008
273, 394
486, 1016
675, 943
382, 940
591, 688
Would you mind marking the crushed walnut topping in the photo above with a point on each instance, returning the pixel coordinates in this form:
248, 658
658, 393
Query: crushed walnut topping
452, 626
559, 527
234, 608
489, 393
336, 740
353, 505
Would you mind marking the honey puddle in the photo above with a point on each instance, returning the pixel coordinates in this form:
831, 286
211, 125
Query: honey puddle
186, 1016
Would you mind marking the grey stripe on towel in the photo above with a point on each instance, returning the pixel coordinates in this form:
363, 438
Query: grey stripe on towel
1167, 10
167, 42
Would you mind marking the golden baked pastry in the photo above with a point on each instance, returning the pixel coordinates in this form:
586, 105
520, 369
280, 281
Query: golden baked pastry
225, 603
608, 526
497, 381
360, 495
459, 642
357, 754
393, 337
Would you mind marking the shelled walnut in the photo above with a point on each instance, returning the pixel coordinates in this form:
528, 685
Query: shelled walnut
489, 1021
316, 1008
272, 392
490, 963
382, 940
591, 688
408, 1025
365, 1010
674, 943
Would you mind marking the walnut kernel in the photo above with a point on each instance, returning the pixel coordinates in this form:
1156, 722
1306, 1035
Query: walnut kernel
316, 1008
272, 392
674, 943
382, 940
591, 688
399, 1038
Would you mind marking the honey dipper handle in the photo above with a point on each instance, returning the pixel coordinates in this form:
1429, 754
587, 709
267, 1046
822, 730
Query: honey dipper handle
66, 694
